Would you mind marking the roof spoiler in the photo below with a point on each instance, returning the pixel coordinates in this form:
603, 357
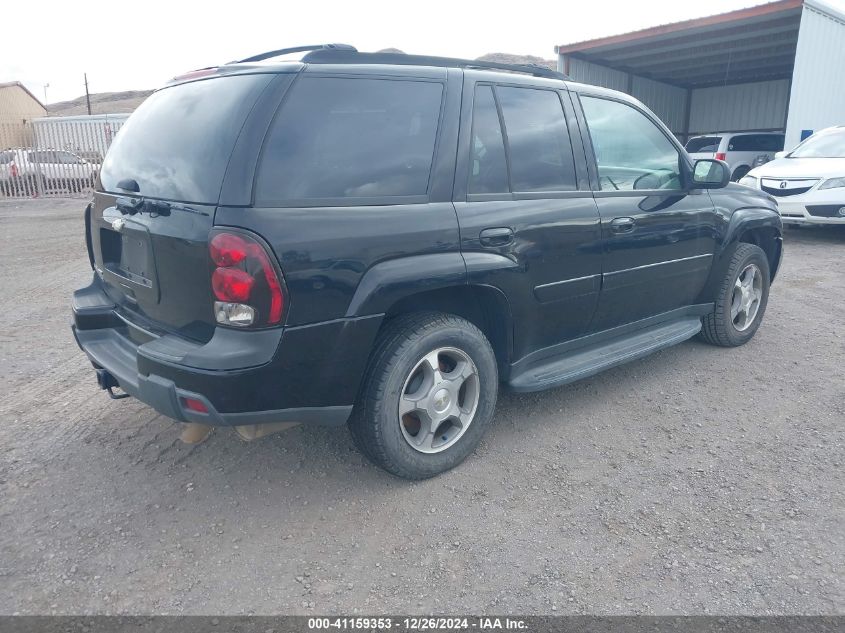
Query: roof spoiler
295, 49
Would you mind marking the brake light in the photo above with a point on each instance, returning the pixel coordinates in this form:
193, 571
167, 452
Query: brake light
232, 284
227, 249
246, 284
13, 170
721, 156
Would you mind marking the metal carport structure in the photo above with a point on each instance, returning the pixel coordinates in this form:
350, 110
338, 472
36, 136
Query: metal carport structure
776, 66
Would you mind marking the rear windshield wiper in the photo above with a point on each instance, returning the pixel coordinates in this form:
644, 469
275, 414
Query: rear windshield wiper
155, 208
128, 205
160, 207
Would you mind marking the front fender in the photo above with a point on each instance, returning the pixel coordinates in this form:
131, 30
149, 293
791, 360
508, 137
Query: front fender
749, 218
752, 218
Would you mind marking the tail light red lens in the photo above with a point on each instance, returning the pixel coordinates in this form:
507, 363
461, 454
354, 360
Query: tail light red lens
246, 283
227, 249
232, 284
721, 156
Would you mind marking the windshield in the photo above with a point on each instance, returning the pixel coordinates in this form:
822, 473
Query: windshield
702, 144
822, 145
177, 144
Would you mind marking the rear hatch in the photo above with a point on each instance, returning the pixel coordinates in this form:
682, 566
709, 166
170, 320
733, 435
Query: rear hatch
703, 146
159, 187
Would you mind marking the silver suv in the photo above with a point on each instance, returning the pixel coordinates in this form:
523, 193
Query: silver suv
742, 152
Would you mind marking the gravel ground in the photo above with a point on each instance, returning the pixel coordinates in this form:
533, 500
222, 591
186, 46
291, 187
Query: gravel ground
699, 480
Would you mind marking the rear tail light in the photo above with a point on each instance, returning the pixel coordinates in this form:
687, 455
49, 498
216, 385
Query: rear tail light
13, 170
721, 156
247, 285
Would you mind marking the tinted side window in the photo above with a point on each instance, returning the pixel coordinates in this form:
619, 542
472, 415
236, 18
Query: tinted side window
538, 140
772, 142
488, 166
6, 158
704, 144
631, 151
351, 138
746, 143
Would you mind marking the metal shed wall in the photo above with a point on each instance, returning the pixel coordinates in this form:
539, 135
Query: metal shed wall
589, 73
752, 106
667, 102
817, 99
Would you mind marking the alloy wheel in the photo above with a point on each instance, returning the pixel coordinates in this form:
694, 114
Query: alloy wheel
439, 400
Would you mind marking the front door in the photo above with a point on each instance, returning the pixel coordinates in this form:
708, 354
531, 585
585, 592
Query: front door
658, 233
529, 225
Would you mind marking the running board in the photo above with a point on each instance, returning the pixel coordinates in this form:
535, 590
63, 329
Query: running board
590, 360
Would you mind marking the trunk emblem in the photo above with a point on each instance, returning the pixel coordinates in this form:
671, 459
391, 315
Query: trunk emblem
783, 184
117, 224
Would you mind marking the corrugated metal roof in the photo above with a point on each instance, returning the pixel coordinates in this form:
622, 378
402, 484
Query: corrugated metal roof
751, 44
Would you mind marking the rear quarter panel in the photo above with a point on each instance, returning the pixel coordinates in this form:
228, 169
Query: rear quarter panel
325, 252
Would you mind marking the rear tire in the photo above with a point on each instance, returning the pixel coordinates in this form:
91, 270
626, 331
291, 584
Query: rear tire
741, 300
428, 395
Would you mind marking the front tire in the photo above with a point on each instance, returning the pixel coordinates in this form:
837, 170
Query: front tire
741, 300
428, 396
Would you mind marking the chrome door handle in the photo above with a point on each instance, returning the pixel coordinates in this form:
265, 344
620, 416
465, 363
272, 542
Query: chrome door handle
623, 225
499, 236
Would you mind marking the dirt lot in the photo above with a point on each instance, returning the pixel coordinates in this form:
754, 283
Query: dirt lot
699, 480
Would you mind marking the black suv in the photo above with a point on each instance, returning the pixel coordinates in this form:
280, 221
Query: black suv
382, 239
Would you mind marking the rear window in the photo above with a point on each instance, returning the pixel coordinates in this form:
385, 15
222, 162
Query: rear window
6, 158
351, 138
704, 144
177, 144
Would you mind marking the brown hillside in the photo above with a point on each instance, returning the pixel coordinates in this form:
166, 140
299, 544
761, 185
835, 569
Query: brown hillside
507, 58
101, 103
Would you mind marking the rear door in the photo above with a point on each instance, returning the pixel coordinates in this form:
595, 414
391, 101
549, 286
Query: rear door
658, 234
155, 204
529, 225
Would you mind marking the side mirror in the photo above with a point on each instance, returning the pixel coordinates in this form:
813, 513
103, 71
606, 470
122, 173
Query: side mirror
711, 174
781, 154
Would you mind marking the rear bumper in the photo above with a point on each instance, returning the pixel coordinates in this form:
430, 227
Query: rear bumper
308, 374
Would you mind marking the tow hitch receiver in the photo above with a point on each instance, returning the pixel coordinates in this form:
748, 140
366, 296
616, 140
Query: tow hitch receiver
109, 383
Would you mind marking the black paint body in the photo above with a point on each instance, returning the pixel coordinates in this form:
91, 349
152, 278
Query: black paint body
554, 268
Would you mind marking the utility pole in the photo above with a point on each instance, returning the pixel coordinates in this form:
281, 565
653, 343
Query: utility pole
87, 96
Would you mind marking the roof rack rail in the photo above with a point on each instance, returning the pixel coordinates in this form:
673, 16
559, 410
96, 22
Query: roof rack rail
323, 55
296, 49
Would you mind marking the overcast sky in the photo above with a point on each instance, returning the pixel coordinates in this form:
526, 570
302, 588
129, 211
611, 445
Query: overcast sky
126, 45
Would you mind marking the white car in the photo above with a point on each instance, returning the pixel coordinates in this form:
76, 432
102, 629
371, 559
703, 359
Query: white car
30, 171
739, 151
809, 181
